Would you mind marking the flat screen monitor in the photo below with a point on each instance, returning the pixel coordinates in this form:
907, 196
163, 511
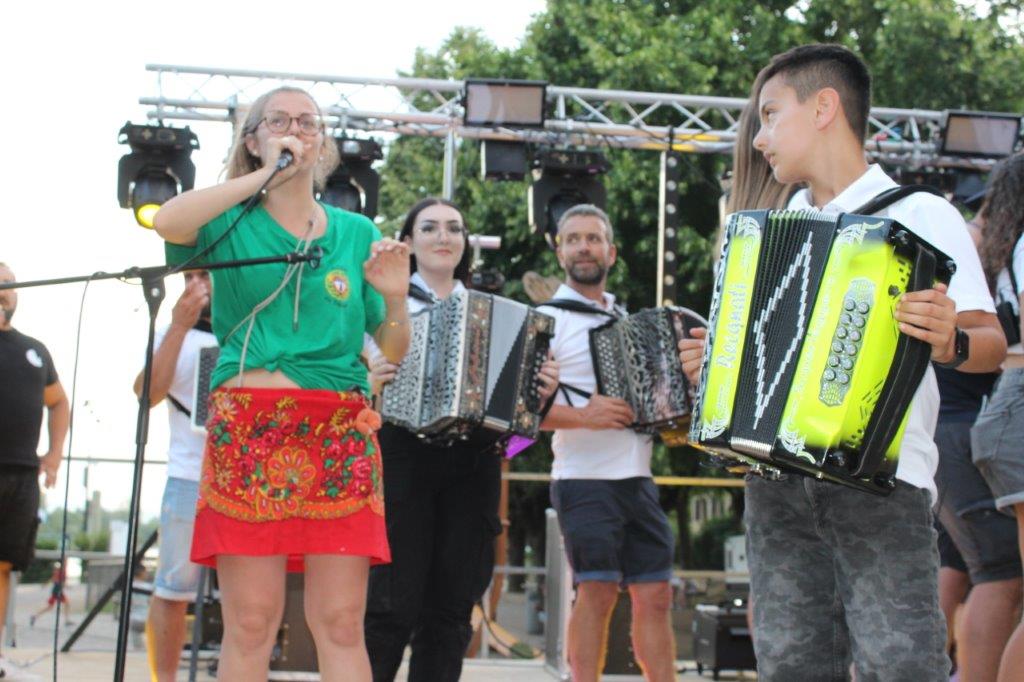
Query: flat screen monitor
512, 104
980, 134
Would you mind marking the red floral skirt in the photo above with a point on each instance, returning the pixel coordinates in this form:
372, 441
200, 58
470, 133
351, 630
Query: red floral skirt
293, 472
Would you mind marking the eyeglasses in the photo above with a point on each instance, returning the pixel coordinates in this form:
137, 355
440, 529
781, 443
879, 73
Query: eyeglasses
452, 229
281, 121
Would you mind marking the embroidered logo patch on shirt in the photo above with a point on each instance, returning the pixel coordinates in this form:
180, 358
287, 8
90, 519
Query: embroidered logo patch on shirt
33, 358
337, 284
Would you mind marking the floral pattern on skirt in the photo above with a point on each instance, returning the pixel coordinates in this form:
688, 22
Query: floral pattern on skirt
284, 456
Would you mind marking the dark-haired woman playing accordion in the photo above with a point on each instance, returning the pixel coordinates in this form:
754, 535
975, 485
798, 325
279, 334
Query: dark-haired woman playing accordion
441, 502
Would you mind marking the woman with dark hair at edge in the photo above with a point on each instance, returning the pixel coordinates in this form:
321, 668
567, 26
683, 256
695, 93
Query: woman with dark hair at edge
291, 474
442, 500
999, 430
753, 187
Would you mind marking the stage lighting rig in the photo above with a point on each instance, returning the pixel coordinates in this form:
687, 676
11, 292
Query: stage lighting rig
501, 160
563, 179
157, 168
354, 184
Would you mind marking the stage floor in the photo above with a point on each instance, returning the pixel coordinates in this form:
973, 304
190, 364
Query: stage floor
92, 658
98, 666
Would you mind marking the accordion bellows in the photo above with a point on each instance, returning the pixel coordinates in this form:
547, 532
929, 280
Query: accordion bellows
472, 362
805, 369
637, 359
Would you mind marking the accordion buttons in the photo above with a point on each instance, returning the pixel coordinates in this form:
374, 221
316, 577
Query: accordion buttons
842, 377
837, 346
863, 308
850, 349
847, 364
849, 304
854, 336
845, 318
858, 321
829, 375
833, 361
841, 333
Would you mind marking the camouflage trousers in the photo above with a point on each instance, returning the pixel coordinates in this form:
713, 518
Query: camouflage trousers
840, 575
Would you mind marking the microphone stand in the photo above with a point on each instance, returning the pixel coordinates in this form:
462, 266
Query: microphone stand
153, 291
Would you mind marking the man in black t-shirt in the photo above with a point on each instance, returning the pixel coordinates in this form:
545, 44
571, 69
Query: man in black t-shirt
28, 382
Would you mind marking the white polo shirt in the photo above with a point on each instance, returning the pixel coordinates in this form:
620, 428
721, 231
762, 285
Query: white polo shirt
185, 450
584, 453
936, 221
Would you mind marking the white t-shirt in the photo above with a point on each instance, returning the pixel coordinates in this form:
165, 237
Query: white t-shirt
936, 221
185, 450
1004, 287
608, 454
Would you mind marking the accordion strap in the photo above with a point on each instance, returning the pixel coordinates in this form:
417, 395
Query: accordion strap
580, 307
569, 388
177, 404
890, 196
417, 292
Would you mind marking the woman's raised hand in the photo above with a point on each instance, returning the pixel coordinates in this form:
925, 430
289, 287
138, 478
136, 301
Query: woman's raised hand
387, 268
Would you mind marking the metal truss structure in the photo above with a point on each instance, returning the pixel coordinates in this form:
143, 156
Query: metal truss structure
581, 116
671, 124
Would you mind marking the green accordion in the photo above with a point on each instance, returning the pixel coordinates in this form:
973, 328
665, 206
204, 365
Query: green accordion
805, 369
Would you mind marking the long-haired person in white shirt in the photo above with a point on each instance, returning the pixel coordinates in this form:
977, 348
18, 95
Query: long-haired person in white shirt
998, 432
441, 502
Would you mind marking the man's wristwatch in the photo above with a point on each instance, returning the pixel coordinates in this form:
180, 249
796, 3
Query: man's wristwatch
961, 350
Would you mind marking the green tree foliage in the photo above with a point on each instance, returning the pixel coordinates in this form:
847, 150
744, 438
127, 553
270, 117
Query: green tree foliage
923, 54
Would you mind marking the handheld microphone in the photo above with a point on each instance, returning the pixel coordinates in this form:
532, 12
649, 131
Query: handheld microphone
284, 160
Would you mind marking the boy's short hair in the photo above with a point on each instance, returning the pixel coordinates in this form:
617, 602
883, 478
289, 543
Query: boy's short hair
809, 68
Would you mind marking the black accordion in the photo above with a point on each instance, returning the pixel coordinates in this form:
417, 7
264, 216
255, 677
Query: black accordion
472, 363
805, 369
637, 359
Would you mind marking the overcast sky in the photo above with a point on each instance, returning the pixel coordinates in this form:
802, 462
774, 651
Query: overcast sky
74, 73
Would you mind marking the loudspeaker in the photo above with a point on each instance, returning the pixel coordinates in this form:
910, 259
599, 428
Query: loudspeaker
721, 640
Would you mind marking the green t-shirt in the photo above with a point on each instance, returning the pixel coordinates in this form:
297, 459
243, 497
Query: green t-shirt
336, 305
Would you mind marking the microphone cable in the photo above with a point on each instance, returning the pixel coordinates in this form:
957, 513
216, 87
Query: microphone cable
67, 476
248, 206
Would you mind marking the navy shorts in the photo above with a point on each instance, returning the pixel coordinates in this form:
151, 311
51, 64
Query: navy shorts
949, 555
614, 531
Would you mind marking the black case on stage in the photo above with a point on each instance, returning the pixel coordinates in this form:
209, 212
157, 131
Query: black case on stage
295, 650
721, 640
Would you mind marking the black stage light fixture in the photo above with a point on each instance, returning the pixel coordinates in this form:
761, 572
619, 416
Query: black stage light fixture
354, 184
500, 160
563, 179
494, 102
488, 279
980, 134
157, 168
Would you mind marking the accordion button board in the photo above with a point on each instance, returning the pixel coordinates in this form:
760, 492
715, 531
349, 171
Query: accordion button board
205, 364
805, 369
636, 359
472, 364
